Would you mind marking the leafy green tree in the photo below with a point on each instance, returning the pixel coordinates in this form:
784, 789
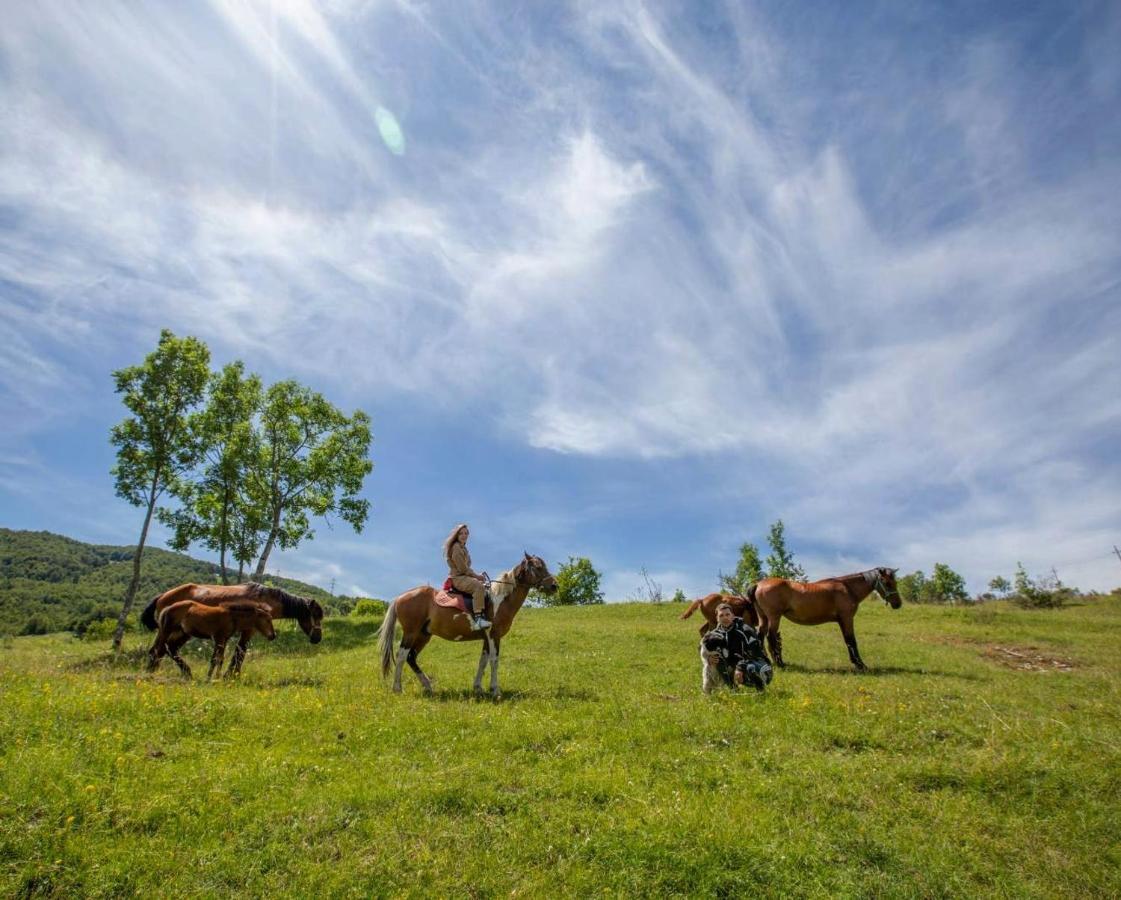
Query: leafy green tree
947, 586
578, 584
156, 444
217, 508
679, 596
780, 562
749, 569
913, 588
1000, 585
311, 461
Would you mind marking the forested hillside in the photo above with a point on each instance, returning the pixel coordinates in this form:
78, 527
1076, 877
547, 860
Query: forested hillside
53, 583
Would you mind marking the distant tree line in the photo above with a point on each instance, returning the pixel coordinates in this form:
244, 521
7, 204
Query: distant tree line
247, 468
53, 583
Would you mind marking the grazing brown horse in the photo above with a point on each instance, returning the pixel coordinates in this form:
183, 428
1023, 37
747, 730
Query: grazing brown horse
281, 604
421, 617
181, 621
829, 600
743, 607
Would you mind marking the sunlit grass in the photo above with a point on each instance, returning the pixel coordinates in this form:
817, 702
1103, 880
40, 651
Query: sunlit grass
943, 772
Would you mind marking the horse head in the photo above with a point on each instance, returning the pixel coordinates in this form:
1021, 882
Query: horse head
262, 621
311, 621
533, 572
887, 588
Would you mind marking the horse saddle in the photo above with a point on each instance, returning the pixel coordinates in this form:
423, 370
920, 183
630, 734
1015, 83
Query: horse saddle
454, 599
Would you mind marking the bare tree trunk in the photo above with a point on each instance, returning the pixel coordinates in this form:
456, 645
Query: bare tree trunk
240, 570
130, 595
269, 544
222, 535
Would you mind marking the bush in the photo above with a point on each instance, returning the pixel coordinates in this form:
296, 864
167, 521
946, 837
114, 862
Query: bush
100, 630
679, 596
367, 606
577, 585
1045, 592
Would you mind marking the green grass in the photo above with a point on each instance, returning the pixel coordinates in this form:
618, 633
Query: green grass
602, 771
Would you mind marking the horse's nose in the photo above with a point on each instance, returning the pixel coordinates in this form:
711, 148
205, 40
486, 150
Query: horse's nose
316, 637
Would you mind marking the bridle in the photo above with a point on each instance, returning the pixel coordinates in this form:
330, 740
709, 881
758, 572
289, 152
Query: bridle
880, 588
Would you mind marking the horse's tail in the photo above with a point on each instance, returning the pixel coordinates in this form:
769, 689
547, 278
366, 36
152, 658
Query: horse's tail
386, 634
691, 608
148, 617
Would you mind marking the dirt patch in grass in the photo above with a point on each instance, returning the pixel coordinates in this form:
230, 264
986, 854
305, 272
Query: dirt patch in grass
1012, 656
1028, 659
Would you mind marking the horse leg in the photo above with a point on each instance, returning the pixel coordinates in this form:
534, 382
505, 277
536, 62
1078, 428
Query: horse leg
173, 646
407, 642
495, 692
239, 654
484, 655
774, 641
849, 635
216, 659
157, 652
418, 645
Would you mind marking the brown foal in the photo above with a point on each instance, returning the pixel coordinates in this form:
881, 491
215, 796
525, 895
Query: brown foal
817, 602
186, 619
741, 606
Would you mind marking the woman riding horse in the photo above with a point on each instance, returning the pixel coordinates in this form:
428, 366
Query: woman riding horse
465, 579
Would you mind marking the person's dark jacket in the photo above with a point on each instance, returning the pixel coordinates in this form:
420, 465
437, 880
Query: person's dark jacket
744, 644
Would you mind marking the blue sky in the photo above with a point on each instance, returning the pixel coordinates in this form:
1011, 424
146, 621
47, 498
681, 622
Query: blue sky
622, 280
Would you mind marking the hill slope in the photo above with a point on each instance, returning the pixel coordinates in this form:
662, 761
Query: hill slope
52, 583
981, 756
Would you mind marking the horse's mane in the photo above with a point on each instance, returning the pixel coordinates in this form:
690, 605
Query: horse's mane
503, 586
293, 607
865, 575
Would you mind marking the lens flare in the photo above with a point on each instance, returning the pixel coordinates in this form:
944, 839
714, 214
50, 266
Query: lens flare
390, 131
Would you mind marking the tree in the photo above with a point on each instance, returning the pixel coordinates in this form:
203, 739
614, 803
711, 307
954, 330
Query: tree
217, 508
947, 586
679, 596
311, 461
1000, 585
913, 588
749, 569
780, 562
578, 584
156, 444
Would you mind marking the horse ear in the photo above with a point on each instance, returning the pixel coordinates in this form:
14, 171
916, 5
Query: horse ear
526, 553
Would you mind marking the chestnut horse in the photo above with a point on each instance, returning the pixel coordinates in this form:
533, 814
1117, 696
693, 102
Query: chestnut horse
181, 621
421, 618
743, 607
829, 600
281, 604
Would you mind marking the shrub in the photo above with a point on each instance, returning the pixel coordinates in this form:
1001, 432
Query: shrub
368, 606
577, 585
1045, 592
679, 596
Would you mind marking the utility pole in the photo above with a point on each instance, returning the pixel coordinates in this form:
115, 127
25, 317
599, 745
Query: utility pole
332, 587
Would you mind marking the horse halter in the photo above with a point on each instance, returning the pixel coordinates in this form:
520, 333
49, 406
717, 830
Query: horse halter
879, 587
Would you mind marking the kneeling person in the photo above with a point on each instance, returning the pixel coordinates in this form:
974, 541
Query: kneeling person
743, 661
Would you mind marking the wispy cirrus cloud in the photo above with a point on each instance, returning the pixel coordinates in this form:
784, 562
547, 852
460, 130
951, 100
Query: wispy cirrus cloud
856, 278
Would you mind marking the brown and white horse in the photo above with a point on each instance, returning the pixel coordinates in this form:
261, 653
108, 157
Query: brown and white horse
282, 605
817, 602
421, 617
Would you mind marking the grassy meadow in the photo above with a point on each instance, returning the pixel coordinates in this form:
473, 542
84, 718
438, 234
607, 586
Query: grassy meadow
980, 756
